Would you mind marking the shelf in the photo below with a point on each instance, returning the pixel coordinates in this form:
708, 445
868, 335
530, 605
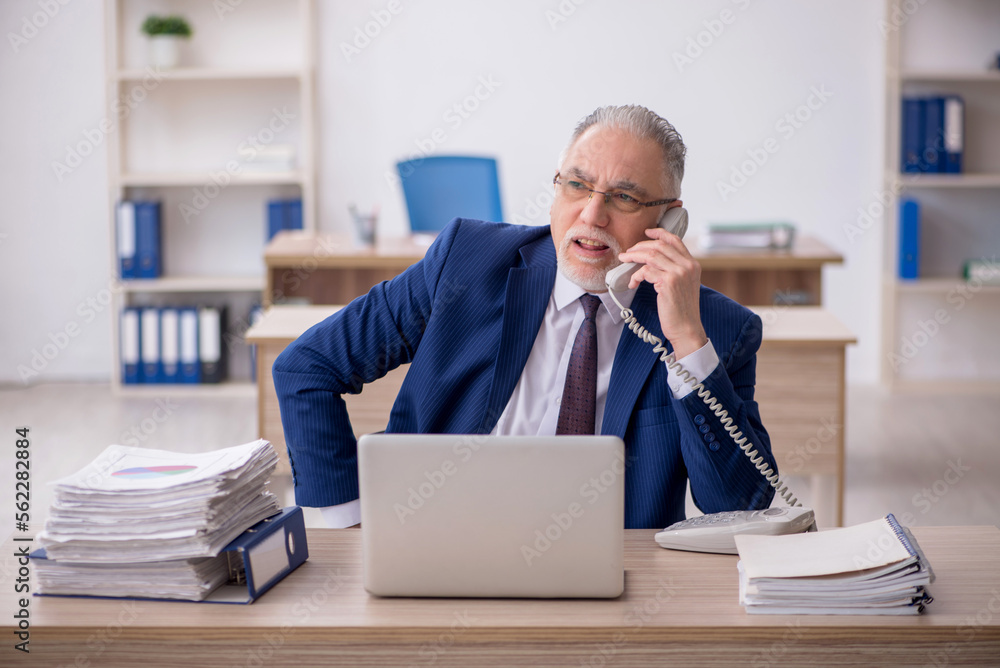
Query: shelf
986, 76
209, 74
247, 178
949, 180
946, 386
195, 284
937, 286
227, 390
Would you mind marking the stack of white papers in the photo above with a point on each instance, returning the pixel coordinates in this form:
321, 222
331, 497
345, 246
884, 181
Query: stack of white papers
143, 522
140, 505
875, 568
186, 579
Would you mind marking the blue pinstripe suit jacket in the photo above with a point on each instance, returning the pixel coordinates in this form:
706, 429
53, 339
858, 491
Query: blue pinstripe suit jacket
465, 318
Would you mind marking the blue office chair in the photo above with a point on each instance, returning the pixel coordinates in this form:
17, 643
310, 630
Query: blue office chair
441, 187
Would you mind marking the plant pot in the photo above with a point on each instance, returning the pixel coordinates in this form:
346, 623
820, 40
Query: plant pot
164, 51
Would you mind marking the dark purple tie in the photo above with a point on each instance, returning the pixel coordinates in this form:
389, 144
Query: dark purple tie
576, 412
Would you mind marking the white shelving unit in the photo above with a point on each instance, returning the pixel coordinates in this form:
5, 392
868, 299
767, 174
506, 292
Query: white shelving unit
246, 79
940, 332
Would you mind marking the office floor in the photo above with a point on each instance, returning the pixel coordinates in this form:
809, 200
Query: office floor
931, 460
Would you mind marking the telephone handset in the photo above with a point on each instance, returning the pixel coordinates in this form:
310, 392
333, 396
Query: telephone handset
675, 221
715, 532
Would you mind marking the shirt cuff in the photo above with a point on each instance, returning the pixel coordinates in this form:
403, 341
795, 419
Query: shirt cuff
342, 516
698, 364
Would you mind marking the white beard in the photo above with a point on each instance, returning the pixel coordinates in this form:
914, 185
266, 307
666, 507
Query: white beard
588, 274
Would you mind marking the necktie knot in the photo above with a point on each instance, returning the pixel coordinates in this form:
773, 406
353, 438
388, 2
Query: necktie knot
590, 306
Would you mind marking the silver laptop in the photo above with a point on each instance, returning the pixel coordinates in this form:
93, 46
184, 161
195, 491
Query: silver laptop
492, 516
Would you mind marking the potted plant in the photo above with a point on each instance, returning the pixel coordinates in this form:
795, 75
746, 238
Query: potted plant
165, 34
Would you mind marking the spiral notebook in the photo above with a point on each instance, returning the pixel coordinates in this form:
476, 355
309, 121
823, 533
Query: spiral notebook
871, 568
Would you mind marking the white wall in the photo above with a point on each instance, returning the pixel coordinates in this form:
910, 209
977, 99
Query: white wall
53, 233
385, 100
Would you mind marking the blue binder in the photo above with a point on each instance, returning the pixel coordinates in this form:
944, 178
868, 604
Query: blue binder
909, 239
170, 345
262, 556
126, 240
147, 222
190, 371
293, 214
954, 133
283, 214
149, 346
129, 335
913, 135
211, 351
275, 217
933, 155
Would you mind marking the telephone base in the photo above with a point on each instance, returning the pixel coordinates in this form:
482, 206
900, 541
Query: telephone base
717, 532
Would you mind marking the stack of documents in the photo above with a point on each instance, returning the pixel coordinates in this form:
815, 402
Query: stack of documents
143, 522
875, 568
749, 236
185, 579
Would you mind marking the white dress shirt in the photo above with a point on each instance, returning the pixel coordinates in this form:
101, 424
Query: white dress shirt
533, 408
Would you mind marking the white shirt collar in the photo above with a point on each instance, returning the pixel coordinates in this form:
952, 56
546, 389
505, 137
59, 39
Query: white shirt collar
565, 292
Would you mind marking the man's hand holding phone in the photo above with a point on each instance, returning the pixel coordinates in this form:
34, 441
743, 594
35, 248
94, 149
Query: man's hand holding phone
667, 264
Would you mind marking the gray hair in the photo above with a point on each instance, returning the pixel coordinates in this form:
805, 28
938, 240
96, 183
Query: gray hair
641, 123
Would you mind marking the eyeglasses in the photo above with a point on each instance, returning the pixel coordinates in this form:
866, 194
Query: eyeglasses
622, 202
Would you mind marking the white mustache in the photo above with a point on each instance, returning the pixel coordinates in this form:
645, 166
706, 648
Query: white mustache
595, 234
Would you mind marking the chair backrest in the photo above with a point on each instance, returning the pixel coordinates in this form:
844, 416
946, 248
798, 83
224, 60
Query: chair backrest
439, 188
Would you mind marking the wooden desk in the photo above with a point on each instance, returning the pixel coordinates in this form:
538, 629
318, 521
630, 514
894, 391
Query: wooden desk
679, 608
768, 276
800, 389
329, 269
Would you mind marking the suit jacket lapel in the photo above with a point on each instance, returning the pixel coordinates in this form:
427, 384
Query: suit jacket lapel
529, 288
634, 359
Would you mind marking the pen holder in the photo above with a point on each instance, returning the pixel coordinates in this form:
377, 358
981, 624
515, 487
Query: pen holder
364, 226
